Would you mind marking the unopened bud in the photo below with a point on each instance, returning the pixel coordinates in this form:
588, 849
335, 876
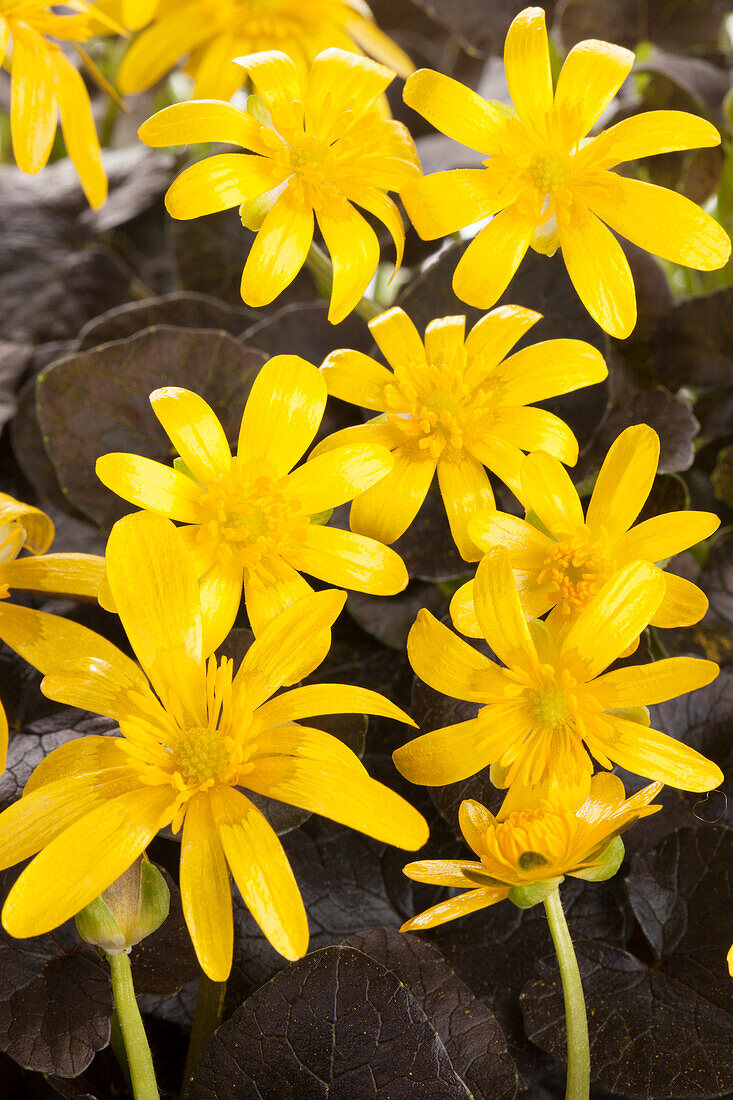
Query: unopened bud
130, 909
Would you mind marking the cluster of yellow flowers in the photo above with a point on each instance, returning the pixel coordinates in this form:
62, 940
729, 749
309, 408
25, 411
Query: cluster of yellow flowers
196, 732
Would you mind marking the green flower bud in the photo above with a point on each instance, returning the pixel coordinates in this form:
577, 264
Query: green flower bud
609, 862
524, 897
127, 911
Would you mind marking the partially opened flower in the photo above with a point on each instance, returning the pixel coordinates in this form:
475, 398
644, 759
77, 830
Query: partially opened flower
548, 187
529, 847
209, 34
319, 147
23, 527
454, 404
561, 558
250, 519
195, 737
551, 710
45, 85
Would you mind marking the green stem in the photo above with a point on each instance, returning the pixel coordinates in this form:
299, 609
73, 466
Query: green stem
320, 268
578, 1079
117, 1042
139, 1059
206, 1019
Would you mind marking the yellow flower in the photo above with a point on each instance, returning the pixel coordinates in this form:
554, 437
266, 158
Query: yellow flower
547, 185
550, 710
454, 404
561, 558
191, 737
46, 84
210, 33
24, 527
249, 519
538, 845
318, 146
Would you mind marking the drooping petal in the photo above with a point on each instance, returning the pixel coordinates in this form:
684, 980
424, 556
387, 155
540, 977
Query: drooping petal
661, 221
354, 250
455, 110
664, 536
152, 486
397, 338
493, 337
319, 699
549, 368
599, 270
82, 861
683, 605
591, 75
338, 476
195, 431
199, 121
653, 754
219, 183
352, 561
448, 664
612, 620
624, 481
33, 107
548, 491
382, 207
444, 202
537, 429
354, 377
499, 611
205, 891
465, 488
278, 252
486, 267
469, 902
527, 65
76, 574
644, 685
221, 594
80, 135
447, 755
282, 414
387, 509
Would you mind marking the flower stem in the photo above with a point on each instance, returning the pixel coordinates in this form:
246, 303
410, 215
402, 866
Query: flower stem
578, 1079
139, 1059
206, 1019
321, 269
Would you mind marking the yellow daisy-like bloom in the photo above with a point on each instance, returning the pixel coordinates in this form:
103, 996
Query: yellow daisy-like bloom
210, 33
319, 144
46, 84
250, 517
538, 845
561, 558
549, 186
191, 738
454, 404
23, 527
549, 711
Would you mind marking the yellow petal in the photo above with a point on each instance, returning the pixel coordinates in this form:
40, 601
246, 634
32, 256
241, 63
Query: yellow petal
396, 337
318, 699
305, 743
43, 639
156, 594
157, 50
118, 691
205, 890
456, 110
624, 481
444, 202
499, 611
354, 250
488, 264
537, 429
606, 795
599, 270
683, 605
81, 862
333, 478
475, 821
448, 664
547, 369
136, 13
194, 429
444, 340
382, 207
501, 457
527, 66
354, 377
282, 652
3, 737
267, 596
494, 336
644, 685
376, 43
528, 547
342, 794
37, 527
463, 612
221, 595
441, 872
664, 536
80, 135
282, 414
352, 561
73, 574
548, 492
653, 754
33, 107
86, 756
377, 431
446, 755
387, 509
151, 486
648, 134
469, 902
360, 83
276, 78
200, 121
660, 221
614, 618
591, 75
4, 39
278, 252
219, 183
465, 488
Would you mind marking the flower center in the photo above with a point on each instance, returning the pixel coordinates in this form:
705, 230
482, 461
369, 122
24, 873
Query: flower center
200, 755
575, 569
252, 516
548, 171
531, 842
549, 708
